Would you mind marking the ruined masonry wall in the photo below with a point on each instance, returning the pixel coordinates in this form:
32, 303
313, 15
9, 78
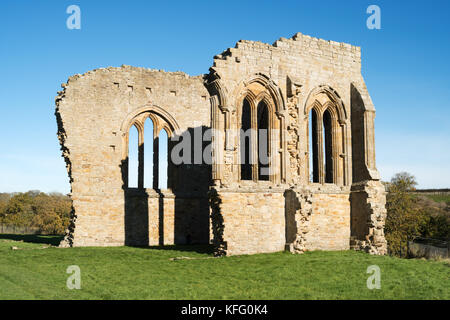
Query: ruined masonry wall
254, 222
297, 66
90, 111
151, 220
329, 227
246, 217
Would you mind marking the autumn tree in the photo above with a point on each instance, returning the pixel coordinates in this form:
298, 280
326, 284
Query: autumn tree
50, 213
405, 220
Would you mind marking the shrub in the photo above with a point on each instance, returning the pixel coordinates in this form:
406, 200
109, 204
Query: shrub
48, 212
410, 216
404, 220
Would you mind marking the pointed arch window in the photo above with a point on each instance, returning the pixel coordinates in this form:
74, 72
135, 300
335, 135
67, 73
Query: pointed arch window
147, 152
313, 146
326, 144
256, 140
246, 142
163, 143
133, 157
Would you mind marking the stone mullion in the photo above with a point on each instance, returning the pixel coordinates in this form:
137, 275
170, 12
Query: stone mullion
215, 143
343, 153
272, 146
320, 155
369, 117
226, 143
155, 158
254, 142
141, 157
306, 141
283, 160
335, 151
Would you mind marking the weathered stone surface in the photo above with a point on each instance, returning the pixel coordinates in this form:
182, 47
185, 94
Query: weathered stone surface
94, 113
322, 189
253, 221
368, 204
298, 219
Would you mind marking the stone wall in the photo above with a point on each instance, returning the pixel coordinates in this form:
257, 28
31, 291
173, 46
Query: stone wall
329, 228
296, 69
291, 77
431, 249
318, 218
273, 219
253, 221
162, 218
94, 112
368, 216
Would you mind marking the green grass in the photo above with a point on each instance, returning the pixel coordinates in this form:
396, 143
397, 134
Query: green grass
445, 198
35, 272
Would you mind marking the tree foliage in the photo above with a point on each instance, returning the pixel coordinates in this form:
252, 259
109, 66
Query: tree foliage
50, 213
408, 217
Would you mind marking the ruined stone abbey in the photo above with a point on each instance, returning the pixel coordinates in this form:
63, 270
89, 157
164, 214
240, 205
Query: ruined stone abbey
285, 159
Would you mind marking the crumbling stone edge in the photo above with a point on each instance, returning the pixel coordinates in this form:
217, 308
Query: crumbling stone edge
301, 206
217, 223
375, 242
69, 233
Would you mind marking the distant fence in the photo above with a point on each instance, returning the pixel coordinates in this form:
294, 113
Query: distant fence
11, 229
429, 248
432, 191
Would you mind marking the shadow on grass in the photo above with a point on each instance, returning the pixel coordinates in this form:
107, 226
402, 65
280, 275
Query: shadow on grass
34, 238
199, 248
54, 240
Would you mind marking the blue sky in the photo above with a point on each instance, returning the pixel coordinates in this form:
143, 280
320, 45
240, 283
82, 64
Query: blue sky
405, 65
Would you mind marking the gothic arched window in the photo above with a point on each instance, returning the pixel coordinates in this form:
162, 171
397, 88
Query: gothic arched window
326, 131
147, 152
133, 157
246, 142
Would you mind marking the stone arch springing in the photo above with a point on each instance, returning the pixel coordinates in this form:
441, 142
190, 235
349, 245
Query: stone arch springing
221, 142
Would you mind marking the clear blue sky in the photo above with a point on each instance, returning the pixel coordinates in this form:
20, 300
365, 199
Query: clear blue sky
405, 65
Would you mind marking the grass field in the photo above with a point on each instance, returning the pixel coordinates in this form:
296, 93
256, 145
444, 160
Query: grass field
36, 272
445, 198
